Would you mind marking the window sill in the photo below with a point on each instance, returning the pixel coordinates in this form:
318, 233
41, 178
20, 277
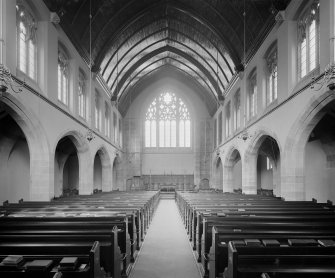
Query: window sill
63, 105
271, 105
160, 150
28, 80
304, 81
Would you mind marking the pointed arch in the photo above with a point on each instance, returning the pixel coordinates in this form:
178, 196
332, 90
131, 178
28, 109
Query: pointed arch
103, 171
40, 180
85, 178
293, 172
232, 170
273, 151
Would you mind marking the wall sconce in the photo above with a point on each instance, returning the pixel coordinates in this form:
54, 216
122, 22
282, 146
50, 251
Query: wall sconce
114, 100
328, 79
245, 135
89, 135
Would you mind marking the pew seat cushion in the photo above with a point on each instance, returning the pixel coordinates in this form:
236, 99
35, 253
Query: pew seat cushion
270, 242
239, 242
252, 242
326, 242
39, 265
302, 242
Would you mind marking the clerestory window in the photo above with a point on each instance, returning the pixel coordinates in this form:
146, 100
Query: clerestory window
272, 75
26, 41
82, 94
167, 122
63, 76
308, 40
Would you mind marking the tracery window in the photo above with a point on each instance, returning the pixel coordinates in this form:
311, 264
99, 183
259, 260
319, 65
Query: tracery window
115, 127
63, 76
228, 116
26, 41
167, 122
82, 94
220, 127
97, 110
120, 132
107, 121
272, 75
237, 110
308, 40
252, 94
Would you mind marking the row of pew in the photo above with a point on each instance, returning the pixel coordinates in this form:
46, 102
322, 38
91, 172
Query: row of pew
237, 236
102, 232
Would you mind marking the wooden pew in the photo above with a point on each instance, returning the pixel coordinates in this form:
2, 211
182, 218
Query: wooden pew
205, 238
294, 261
197, 222
74, 225
218, 254
109, 250
83, 215
87, 254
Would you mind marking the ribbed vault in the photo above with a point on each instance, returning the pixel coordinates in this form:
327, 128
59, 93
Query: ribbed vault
132, 39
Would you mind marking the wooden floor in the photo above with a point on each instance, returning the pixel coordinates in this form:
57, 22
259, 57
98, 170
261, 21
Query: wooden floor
166, 252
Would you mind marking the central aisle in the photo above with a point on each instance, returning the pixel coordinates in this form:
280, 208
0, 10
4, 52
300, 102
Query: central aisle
166, 252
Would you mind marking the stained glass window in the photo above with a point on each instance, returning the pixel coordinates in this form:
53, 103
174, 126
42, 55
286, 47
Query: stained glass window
308, 39
82, 94
228, 116
107, 120
26, 41
220, 128
167, 122
252, 94
63, 76
272, 75
237, 110
97, 111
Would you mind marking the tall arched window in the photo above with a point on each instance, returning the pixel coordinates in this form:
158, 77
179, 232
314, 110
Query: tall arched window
308, 39
167, 122
237, 110
228, 116
97, 111
26, 41
252, 97
63, 75
107, 120
272, 74
82, 94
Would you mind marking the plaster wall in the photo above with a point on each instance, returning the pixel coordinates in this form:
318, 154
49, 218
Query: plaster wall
319, 177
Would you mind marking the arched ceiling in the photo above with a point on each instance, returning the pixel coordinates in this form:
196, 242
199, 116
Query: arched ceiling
201, 39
